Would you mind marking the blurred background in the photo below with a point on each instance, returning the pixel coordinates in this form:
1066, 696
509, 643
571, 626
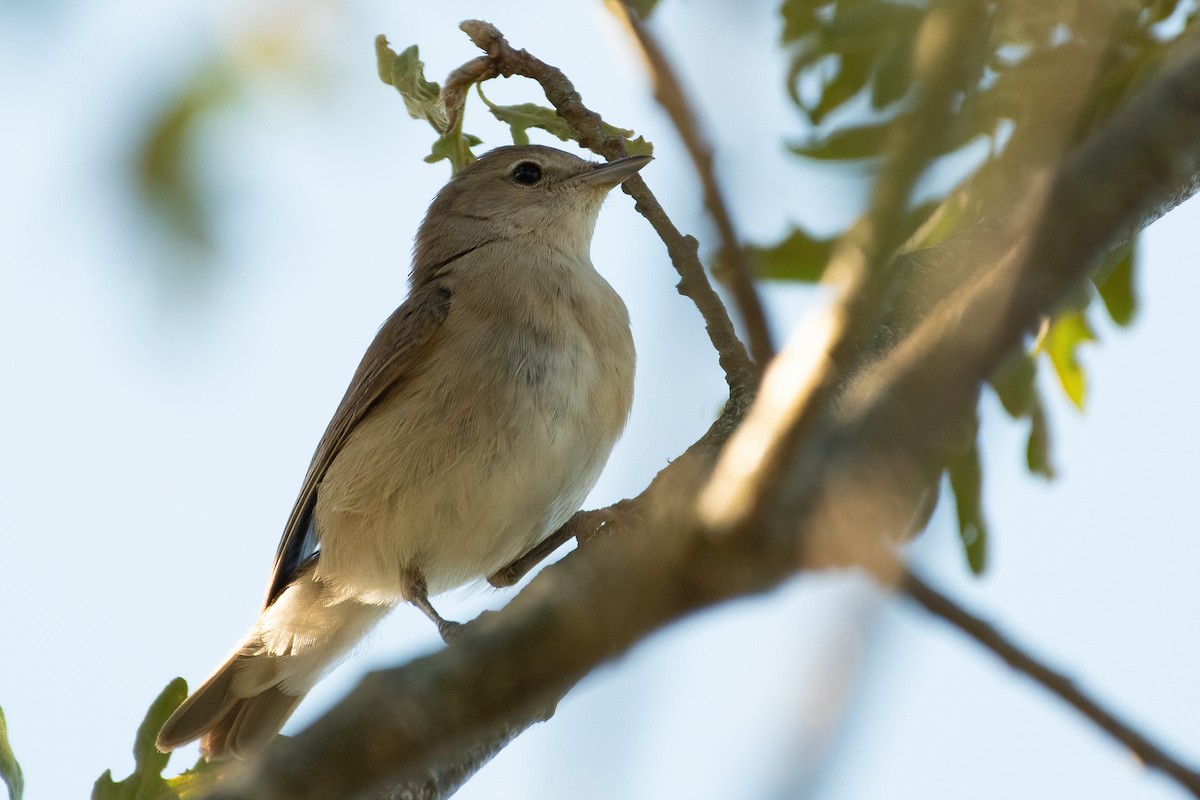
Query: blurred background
206, 210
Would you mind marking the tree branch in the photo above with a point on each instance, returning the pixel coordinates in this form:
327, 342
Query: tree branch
848, 481
669, 93
1054, 681
503, 59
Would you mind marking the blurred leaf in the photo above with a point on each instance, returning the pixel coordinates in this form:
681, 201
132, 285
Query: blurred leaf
523, 116
893, 78
146, 781
845, 144
1037, 450
1015, 384
851, 78
966, 480
865, 39
1114, 281
643, 8
798, 257
10, 770
1067, 332
799, 18
166, 171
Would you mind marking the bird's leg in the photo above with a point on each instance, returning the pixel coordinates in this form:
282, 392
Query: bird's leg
417, 593
581, 525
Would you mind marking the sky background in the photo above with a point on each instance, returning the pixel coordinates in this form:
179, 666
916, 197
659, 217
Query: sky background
160, 409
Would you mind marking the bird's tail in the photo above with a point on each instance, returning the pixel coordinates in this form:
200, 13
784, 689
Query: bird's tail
246, 701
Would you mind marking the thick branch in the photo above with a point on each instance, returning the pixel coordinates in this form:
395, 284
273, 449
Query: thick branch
851, 478
1056, 682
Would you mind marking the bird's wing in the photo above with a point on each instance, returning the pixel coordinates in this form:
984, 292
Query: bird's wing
387, 363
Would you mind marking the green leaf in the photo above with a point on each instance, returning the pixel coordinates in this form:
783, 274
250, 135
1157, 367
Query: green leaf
422, 98
167, 170
966, 480
852, 76
1037, 450
1066, 334
10, 770
798, 257
146, 781
893, 77
1114, 281
845, 144
799, 18
454, 146
1015, 384
523, 116
406, 72
643, 8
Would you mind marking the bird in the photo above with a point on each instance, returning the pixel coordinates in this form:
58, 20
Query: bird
475, 425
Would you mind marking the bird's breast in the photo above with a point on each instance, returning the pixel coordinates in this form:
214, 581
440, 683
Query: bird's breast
491, 446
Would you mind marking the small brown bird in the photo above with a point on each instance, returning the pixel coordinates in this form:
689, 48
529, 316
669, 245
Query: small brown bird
476, 424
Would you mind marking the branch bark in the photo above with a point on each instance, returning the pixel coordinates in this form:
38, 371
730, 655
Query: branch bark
1053, 680
668, 90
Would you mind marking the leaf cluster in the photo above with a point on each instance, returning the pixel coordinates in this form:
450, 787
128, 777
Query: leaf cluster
423, 99
10, 770
851, 78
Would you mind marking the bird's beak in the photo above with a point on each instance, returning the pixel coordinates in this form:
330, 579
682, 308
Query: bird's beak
614, 172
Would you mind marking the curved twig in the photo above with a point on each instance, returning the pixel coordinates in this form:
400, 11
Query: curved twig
671, 96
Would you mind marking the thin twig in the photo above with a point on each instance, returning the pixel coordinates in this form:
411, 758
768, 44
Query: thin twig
1052, 680
669, 93
503, 59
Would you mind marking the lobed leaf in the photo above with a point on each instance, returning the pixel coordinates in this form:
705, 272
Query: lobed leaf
523, 116
422, 98
146, 781
406, 73
1061, 343
10, 770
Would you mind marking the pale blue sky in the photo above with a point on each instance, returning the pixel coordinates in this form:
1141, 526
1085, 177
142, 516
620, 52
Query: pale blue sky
154, 438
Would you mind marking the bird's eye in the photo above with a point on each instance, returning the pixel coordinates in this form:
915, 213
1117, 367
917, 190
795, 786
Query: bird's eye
527, 173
